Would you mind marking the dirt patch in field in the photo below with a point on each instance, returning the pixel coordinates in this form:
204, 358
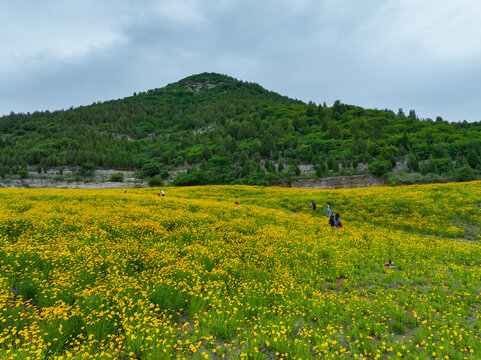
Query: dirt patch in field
340, 282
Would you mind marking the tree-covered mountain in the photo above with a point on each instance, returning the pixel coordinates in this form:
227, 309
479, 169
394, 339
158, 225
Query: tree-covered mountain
231, 131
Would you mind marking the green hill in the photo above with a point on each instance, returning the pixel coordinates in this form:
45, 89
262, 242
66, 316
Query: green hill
230, 131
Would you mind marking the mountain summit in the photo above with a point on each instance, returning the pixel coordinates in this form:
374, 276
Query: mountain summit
214, 83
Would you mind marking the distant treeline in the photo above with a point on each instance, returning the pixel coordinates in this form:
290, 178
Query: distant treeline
235, 132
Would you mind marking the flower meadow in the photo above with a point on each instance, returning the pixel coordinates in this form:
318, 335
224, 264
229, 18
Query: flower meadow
128, 274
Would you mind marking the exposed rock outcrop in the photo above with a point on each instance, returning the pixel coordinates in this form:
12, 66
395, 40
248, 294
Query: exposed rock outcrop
339, 182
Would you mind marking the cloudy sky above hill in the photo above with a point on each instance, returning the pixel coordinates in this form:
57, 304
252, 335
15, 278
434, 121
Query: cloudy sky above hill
410, 54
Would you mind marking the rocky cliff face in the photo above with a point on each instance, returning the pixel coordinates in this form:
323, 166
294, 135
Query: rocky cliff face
335, 182
339, 182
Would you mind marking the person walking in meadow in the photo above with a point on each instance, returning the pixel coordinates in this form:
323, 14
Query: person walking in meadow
328, 210
314, 206
162, 192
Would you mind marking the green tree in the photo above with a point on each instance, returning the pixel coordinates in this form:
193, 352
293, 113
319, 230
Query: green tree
269, 166
257, 158
311, 109
379, 167
300, 124
465, 173
335, 131
150, 170
321, 169
268, 144
297, 170
280, 167
155, 181
413, 162
87, 168
473, 159
23, 172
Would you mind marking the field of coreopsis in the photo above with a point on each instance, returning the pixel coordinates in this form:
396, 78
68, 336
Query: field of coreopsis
108, 274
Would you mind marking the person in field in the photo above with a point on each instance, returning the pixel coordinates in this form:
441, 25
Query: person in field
331, 220
314, 206
337, 221
328, 210
162, 192
389, 265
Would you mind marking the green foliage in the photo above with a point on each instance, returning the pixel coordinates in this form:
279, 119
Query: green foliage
403, 177
321, 169
355, 164
150, 169
270, 167
87, 168
333, 164
465, 173
297, 170
194, 177
23, 173
280, 167
117, 177
473, 159
380, 167
424, 169
237, 124
413, 163
155, 181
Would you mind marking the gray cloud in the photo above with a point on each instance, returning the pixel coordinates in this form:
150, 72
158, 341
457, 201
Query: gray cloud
384, 54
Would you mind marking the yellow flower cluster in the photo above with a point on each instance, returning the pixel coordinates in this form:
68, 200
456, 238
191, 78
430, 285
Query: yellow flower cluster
240, 272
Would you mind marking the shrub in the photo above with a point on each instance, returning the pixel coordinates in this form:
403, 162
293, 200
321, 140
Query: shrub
380, 167
194, 177
321, 169
297, 170
155, 181
23, 173
355, 163
335, 165
150, 169
473, 159
280, 167
117, 177
87, 169
413, 163
464, 173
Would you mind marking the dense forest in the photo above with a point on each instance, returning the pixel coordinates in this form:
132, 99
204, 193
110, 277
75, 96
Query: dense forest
228, 131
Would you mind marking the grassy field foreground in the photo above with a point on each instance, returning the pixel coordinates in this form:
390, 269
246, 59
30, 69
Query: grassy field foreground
115, 274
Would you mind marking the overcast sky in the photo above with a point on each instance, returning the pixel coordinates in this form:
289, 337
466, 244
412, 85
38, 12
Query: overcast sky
410, 54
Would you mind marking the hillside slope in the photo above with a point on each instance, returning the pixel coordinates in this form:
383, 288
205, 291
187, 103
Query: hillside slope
236, 132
